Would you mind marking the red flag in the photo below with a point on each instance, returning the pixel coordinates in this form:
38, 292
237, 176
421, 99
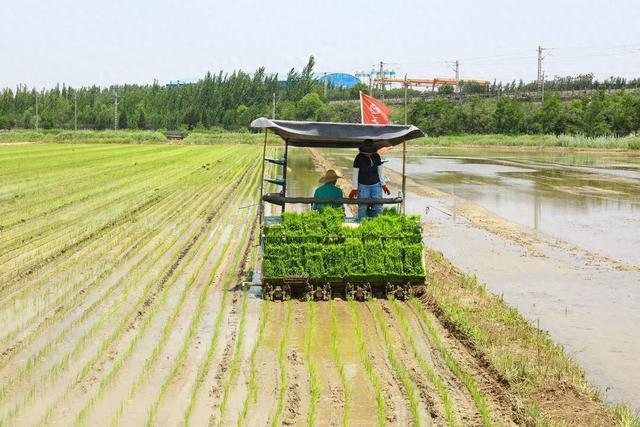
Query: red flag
373, 111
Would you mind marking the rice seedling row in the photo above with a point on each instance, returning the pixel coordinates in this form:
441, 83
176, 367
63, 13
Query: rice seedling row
148, 254
79, 276
205, 364
198, 312
110, 376
400, 370
313, 371
459, 372
54, 370
53, 235
337, 359
282, 366
429, 372
252, 387
100, 300
235, 360
368, 364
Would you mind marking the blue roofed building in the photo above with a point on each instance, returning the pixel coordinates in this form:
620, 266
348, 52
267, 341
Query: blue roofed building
338, 79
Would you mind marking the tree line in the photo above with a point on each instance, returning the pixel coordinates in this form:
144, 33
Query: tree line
597, 114
232, 101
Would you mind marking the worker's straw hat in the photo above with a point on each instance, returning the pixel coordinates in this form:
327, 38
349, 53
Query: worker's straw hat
329, 176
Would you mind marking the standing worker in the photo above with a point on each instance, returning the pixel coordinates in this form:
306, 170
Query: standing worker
368, 179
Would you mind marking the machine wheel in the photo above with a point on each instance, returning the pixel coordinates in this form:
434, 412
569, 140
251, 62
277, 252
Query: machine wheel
309, 292
320, 292
403, 292
359, 292
267, 290
277, 292
286, 290
399, 292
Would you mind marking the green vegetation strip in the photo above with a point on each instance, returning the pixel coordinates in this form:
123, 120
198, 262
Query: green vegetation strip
458, 371
368, 364
252, 387
436, 380
313, 372
409, 386
282, 366
335, 351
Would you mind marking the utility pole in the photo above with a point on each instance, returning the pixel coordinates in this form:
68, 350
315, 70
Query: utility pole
542, 93
273, 106
382, 80
75, 110
36, 110
456, 69
540, 72
326, 81
371, 74
115, 111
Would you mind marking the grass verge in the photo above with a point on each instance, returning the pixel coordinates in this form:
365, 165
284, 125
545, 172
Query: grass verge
459, 372
547, 383
550, 141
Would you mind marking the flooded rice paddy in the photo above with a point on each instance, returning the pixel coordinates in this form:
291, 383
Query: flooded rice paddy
579, 273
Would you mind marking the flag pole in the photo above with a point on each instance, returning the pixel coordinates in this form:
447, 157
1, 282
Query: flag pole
405, 99
361, 110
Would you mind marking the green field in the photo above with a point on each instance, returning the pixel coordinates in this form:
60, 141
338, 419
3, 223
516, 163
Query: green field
121, 304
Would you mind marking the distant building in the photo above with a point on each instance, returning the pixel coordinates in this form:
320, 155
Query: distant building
183, 82
338, 79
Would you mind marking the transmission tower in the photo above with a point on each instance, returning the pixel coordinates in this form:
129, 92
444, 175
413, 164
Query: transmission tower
540, 71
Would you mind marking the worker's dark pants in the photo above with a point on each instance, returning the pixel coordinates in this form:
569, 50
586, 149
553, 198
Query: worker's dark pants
373, 191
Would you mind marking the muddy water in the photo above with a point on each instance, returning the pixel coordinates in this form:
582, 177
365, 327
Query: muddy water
589, 199
585, 208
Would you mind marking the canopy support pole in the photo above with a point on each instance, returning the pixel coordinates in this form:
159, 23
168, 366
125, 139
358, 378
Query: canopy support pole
284, 171
404, 174
264, 155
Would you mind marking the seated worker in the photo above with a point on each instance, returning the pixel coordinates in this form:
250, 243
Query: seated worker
328, 190
368, 180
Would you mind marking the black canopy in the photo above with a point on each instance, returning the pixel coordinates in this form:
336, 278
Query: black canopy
337, 135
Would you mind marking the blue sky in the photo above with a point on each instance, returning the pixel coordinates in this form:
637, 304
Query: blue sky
137, 41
